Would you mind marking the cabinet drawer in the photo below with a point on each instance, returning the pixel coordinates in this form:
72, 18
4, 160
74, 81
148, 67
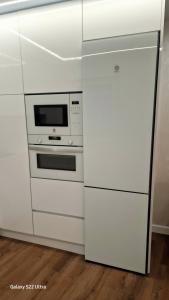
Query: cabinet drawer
57, 227
62, 197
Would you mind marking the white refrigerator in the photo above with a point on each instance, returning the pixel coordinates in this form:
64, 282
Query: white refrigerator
119, 96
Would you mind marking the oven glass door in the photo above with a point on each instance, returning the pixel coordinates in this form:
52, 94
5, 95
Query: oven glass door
56, 162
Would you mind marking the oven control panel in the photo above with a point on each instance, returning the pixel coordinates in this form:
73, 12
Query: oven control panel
75, 107
38, 139
76, 115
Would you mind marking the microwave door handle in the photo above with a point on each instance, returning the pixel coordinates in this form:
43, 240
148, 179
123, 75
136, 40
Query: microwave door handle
52, 149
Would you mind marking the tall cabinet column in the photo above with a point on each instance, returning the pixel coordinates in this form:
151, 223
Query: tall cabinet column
15, 196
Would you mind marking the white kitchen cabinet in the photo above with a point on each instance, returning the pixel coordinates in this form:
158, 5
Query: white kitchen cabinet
57, 227
57, 196
108, 18
51, 39
15, 197
10, 56
116, 228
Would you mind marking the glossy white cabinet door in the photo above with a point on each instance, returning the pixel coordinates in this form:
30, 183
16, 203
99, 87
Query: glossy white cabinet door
10, 56
51, 38
15, 197
118, 99
116, 228
108, 18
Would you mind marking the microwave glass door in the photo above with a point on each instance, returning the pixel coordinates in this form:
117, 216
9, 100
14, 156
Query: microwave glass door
51, 115
56, 162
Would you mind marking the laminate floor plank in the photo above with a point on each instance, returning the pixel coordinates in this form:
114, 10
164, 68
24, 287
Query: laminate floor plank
69, 277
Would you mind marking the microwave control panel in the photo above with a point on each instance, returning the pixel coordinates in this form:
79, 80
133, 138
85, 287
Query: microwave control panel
76, 114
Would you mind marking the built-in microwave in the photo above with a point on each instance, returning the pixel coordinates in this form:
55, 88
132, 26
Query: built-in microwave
56, 162
54, 119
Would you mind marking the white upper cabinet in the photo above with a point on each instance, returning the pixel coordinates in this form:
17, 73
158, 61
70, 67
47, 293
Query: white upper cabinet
108, 18
15, 196
10, 58
51, 39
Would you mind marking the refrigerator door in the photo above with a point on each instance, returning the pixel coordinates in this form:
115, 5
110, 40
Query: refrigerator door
119, 77
116, 228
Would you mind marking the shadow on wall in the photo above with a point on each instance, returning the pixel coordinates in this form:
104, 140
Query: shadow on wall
161, 196
161, 204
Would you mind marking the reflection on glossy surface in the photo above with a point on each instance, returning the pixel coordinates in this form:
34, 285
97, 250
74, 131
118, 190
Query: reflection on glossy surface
10, 60
44, 48
51, 40
15, 5
117, 51
7, 61
7, 3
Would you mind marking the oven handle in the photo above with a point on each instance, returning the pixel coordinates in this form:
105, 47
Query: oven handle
59, 149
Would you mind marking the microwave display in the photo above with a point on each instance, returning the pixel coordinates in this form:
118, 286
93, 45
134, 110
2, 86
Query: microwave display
51, 115
56, 162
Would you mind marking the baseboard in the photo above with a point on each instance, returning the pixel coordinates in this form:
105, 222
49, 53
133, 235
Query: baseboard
66, 246
160, 229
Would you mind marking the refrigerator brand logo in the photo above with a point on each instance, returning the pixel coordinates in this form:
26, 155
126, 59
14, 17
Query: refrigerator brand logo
116, 68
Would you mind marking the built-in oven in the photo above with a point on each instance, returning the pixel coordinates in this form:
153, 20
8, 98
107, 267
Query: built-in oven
56, 162
53, 117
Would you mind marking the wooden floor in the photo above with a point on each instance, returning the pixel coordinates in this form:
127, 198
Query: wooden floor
69, 277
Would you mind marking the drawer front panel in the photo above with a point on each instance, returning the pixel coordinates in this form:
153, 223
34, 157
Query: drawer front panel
62, 197
57, 227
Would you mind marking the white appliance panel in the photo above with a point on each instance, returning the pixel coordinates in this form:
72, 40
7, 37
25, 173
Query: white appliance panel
76, 114
118, 99
116, 228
